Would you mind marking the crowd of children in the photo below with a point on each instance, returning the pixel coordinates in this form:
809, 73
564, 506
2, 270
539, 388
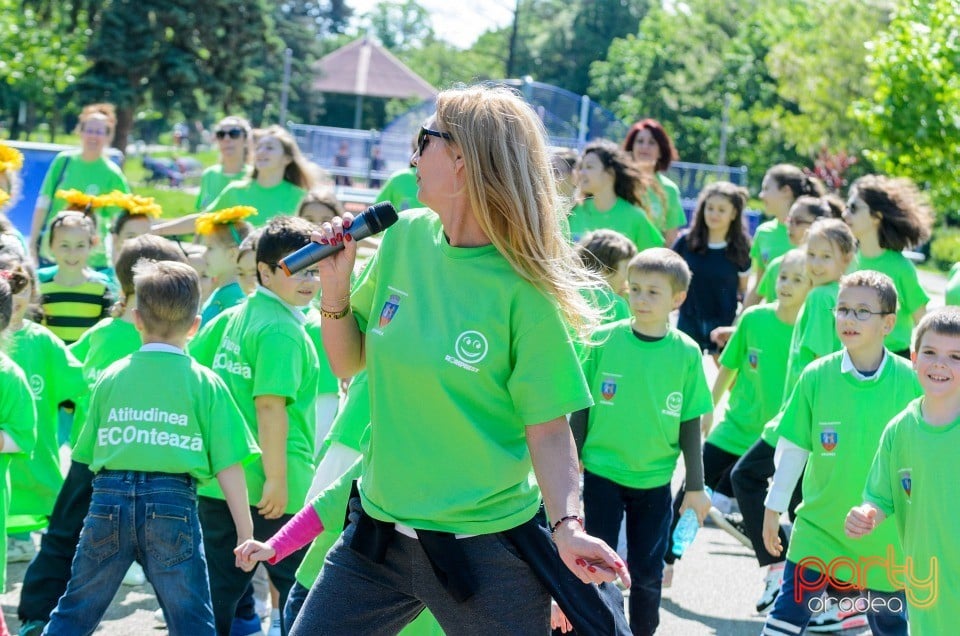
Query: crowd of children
127, 359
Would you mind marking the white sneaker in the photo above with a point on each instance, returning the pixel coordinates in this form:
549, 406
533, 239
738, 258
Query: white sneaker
134, 575
159, 617
274, 623
20, 550
833, 619
771, 588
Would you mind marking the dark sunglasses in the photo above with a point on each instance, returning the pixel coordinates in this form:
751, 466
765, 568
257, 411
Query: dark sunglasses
233, 133
424, 136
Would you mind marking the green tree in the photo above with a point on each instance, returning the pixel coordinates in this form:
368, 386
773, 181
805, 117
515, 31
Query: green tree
40, 59
913, 114
174, 54
400, 26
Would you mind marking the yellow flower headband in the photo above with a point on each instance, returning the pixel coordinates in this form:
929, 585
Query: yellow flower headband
10, 158
82, 201
205, 223
4, 197
134, 204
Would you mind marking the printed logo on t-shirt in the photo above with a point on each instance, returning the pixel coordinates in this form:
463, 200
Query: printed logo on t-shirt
130, 427
753, 358
36, 385
608, 388
906, 481
227, 360
389, 310
674, 404
829, 437
470, 348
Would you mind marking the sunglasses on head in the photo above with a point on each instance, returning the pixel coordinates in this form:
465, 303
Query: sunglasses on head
233, 133
424, 137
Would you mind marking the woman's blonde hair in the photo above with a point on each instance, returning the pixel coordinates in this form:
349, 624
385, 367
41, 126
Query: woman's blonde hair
511, 188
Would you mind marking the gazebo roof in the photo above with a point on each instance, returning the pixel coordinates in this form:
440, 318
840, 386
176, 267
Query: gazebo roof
363, 67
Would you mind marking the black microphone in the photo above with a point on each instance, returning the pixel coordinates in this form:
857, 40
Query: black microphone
373, 220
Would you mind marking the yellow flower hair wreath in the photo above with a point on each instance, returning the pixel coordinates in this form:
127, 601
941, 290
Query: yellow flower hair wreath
134, 204
206, 222
81, 201
10, 158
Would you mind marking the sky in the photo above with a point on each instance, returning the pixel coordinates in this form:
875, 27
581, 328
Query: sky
459, 22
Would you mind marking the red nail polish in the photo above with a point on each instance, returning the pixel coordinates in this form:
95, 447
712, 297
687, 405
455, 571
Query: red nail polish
592, 569
581, 563
347, 238
324, 241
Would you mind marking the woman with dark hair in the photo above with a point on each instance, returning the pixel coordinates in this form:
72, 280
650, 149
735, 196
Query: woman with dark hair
614, 188
653, 151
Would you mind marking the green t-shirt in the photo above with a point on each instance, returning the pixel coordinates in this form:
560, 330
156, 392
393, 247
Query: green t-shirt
265, 351
910, 295
674, 216
769, 241
282, 199
98, 348
213, 181
99, 176
767, 287
462, 354
627, 219
952, 292
758, 352
401, 190
203, 346
18, 418
327, 382
913, 478
188, 423
815, 333
221, 299
839, 419
54, 375
614, 306
642, 391
353, 418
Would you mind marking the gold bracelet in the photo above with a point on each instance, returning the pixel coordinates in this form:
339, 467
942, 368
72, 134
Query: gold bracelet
335, 315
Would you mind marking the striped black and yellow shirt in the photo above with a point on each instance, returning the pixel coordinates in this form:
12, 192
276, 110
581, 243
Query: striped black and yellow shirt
69, 311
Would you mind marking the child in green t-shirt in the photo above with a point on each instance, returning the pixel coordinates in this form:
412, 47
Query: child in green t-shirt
18, 423
829, 430
247, 262
887, 216
270, 366
607, 253
912, 478
55, 376
110, 340
222, 233
649, 391
149, 445
752, 367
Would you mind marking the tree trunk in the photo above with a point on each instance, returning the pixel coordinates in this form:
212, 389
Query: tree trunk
124, 126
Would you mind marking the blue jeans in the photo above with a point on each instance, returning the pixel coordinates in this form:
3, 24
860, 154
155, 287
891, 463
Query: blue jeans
886, 612
150, 518
648, 513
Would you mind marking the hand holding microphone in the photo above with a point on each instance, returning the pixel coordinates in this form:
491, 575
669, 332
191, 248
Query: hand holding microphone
371, 221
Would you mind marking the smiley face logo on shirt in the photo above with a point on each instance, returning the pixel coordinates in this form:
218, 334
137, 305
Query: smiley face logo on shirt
674, 403
36, 385
471, 347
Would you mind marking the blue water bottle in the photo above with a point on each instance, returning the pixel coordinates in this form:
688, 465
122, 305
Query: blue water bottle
686, 529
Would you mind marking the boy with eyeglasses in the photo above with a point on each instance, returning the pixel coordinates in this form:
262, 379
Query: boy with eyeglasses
911, 478
271, 368
832, 424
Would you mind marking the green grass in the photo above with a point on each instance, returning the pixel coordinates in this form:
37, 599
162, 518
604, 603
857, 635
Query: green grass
175, 201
